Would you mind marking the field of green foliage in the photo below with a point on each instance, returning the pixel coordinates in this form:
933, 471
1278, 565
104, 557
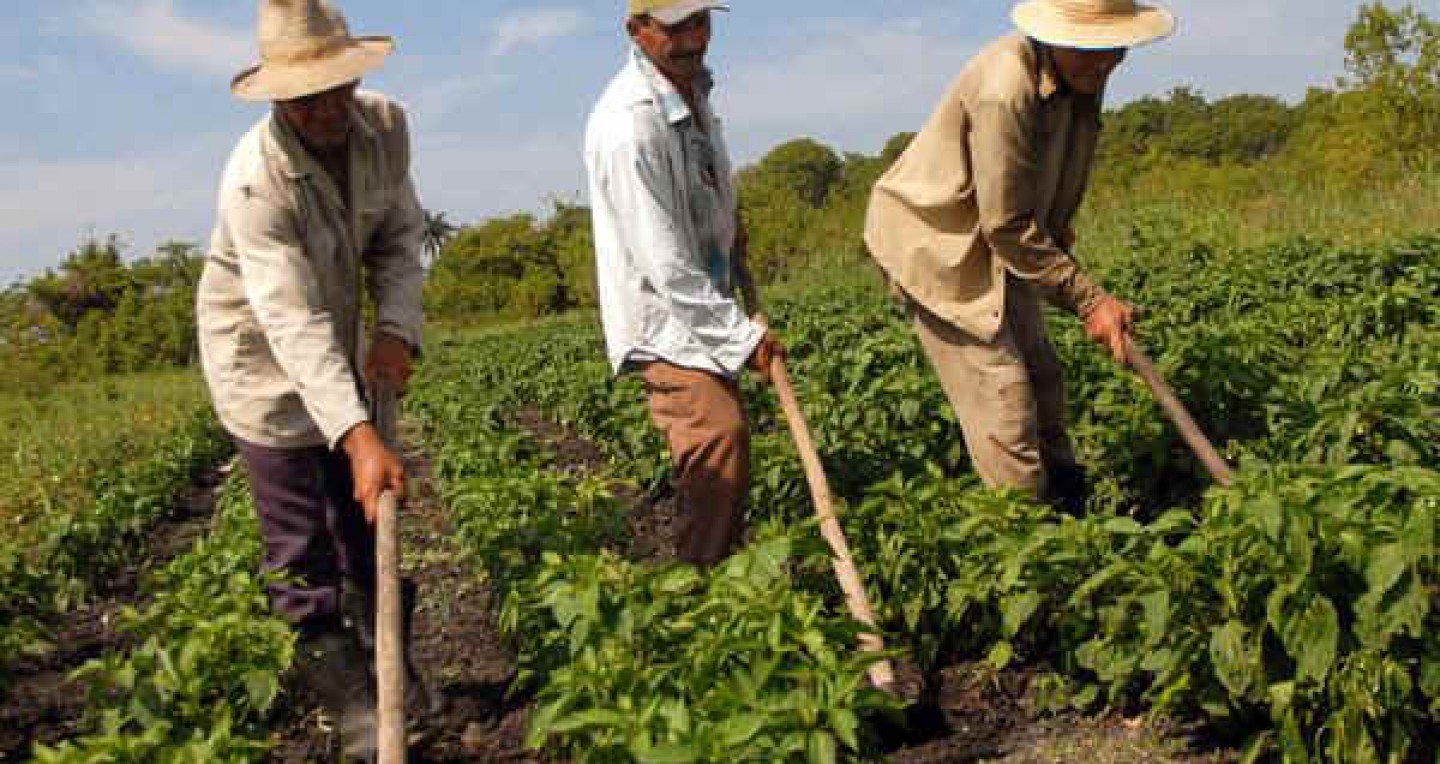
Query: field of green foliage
1293, 613
55, 442
1292, 297
89, 471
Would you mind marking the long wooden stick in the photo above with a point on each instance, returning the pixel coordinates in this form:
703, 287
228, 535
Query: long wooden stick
881, 674
1173, 408
389, 650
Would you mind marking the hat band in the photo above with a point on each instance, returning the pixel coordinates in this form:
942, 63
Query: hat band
1087, 13
303, 51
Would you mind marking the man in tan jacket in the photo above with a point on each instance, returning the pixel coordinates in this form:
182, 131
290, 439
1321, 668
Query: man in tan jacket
974, 225
315, 204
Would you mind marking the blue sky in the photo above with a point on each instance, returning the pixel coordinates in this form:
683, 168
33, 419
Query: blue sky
118, 117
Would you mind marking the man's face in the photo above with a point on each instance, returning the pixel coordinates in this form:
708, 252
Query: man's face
322, 120
678, 50
1086, 71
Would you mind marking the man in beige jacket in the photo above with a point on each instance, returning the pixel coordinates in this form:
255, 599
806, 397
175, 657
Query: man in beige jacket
315, 202
974, 225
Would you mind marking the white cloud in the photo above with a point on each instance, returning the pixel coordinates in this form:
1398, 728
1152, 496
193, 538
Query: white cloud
162, 34
484, 74
435, 102
1274, 28
49, 206
847, 82
16, 72
471, 176
532, 28
1224, 47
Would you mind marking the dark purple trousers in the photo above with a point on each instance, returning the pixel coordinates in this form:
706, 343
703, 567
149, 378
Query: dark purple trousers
314, 531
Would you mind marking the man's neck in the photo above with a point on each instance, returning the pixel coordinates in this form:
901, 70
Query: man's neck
684, 86
335, 161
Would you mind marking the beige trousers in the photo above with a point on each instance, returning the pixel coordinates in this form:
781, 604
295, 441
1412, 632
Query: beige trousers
703, 421
1008, 394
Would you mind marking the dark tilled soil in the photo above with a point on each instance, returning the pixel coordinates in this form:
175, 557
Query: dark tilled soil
652, 517
456, 647
969, 713
42, 705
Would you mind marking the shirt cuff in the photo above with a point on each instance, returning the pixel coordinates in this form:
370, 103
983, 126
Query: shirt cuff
733, 356
335, 434
410, 337
1083, 293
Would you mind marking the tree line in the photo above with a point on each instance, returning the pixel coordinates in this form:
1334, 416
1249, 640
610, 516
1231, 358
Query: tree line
803, 204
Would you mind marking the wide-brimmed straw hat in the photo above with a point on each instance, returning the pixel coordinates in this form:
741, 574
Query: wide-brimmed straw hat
1093, 24
306, 48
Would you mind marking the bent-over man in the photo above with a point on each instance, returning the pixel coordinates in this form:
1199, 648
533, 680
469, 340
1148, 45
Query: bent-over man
316, 204
974, 225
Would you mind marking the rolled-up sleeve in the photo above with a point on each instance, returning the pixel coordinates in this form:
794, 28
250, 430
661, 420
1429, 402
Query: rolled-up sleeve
286, 297
1005, 154
637, 181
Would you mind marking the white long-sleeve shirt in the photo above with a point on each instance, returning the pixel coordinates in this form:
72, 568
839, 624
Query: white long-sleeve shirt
665, 224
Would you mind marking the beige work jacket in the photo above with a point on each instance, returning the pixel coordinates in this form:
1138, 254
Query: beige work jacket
279, 304
990, 184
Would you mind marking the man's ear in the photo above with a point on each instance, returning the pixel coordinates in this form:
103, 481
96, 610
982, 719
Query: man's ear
633, 25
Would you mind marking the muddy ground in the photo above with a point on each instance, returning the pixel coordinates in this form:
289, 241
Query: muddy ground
456, 647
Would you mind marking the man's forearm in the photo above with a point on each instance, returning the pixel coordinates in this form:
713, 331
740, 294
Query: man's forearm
749, 292
740, 267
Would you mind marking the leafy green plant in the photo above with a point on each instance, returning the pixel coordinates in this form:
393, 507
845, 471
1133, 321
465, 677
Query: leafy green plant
204, 673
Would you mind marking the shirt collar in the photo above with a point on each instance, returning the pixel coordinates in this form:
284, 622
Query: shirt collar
1049, 84
295, 161
669, 99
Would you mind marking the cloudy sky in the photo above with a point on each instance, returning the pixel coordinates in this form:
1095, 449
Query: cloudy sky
118, 118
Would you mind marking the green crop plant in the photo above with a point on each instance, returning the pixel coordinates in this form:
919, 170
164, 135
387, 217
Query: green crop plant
1292, 613
202, 677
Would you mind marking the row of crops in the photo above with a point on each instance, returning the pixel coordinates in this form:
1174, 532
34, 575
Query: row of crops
1294, 612
196, 672
55, 442
203, 670
65, 553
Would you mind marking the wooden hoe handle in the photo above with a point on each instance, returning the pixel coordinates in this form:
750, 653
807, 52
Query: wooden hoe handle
881, 674
389, 655
1176, 411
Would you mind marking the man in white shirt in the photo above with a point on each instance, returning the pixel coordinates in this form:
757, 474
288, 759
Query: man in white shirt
670, 255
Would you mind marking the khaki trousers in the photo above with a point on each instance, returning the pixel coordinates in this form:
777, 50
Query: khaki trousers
1008, 394
703, 421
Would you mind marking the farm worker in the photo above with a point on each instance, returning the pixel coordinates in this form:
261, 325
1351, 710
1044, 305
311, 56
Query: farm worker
973, 225
670, 251
315, 202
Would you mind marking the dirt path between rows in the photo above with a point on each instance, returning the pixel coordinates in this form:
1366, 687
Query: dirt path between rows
42, 704
457, 648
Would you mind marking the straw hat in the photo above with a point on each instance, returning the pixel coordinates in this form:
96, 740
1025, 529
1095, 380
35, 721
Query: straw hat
306, 48
1093, 23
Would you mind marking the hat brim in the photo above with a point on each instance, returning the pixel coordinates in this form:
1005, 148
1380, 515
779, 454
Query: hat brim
1147, 24
271, 82
678, 12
